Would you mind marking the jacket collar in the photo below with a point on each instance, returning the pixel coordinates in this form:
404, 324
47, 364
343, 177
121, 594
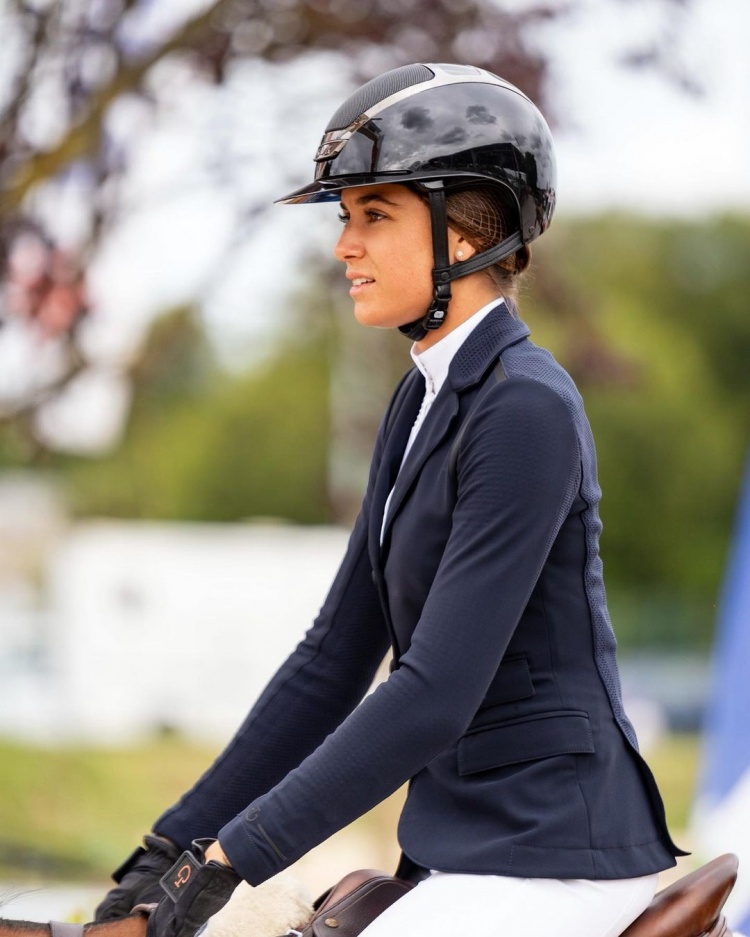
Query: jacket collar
496, 332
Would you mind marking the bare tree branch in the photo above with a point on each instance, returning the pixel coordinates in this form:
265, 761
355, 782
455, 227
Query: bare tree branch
83, 138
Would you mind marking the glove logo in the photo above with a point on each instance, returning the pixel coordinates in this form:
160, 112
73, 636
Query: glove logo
179, 875
183, 876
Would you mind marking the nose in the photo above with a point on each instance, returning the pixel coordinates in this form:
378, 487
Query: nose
349, 245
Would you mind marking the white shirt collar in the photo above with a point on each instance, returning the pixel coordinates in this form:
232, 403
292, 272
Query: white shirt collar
435, 361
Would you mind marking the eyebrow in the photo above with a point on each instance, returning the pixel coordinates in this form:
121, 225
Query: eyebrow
373, 197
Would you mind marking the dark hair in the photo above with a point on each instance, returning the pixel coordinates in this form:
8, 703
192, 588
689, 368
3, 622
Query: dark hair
483, 217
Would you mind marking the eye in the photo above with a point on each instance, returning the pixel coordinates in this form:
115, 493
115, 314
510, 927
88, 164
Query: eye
342, 217
373, 215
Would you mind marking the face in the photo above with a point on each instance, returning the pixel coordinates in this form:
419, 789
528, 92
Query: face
386, 245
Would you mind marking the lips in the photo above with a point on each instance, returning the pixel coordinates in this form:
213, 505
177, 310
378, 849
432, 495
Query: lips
359, 282
358, 278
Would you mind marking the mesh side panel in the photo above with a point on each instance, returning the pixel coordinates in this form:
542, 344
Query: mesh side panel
381, 87
541, 366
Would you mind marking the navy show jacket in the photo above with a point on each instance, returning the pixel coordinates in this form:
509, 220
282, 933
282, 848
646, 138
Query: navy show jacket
503, 708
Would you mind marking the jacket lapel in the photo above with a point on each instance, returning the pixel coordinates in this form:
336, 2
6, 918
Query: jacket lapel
496, 332
397, 435
433, 431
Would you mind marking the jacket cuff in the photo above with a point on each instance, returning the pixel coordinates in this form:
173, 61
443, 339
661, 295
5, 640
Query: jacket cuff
249, 848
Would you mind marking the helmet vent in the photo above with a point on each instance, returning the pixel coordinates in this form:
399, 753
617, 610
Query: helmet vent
377, 90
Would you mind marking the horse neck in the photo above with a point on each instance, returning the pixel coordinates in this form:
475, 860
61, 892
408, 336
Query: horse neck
134, 926
23, 929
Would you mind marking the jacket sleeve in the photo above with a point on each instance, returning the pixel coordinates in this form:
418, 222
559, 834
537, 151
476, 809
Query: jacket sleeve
313, 691
517, 476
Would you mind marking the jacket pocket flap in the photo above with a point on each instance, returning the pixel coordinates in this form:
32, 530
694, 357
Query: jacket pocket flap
528, 739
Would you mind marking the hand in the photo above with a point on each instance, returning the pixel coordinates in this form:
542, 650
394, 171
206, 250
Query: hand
138, 878
197, 886
214, 853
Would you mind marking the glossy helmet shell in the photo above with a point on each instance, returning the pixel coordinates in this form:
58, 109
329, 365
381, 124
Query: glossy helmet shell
457, 123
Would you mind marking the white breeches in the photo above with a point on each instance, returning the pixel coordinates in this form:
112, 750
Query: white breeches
452, 905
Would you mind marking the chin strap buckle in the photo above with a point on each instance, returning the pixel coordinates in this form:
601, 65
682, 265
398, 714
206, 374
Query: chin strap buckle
435, 317
439, 307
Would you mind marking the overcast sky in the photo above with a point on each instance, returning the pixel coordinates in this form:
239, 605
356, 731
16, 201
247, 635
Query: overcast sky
635, 140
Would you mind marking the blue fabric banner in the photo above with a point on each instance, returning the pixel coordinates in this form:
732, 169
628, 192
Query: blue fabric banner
722, 810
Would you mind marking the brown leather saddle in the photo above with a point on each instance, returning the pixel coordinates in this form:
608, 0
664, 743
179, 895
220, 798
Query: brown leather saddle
689, 907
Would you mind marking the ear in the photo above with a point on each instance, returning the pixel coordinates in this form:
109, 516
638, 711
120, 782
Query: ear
458, 243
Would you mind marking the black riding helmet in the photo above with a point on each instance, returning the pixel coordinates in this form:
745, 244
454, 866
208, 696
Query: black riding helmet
440, 128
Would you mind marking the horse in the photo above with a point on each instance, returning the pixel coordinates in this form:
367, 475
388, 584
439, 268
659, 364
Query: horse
132, 926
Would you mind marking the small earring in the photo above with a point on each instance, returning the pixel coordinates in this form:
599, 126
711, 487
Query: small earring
459, 254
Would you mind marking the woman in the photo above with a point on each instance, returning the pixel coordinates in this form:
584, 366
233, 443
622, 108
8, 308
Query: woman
475, 557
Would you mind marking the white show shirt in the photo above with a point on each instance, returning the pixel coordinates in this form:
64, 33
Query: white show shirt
434, 363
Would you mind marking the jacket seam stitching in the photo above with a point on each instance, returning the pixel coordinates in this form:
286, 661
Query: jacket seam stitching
271, 843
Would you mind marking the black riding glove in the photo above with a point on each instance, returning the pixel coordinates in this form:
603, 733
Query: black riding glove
138, 879
195, 890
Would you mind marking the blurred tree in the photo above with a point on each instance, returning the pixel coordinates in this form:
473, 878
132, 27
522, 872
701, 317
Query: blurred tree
70, 68
670, 412
203, 445
176, 365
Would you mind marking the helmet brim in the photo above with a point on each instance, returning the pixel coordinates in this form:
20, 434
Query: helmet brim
327, 190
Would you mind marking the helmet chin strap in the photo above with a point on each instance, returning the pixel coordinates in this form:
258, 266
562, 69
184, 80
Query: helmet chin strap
441, 278
444, 271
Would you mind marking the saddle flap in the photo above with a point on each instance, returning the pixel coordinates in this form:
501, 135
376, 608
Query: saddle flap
346, 886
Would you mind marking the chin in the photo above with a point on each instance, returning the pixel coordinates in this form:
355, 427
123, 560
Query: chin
377, 319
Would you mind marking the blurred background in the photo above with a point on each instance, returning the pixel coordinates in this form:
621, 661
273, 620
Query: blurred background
187, 408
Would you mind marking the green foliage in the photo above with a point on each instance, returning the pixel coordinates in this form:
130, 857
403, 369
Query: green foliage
667, 390
73, 812
203, 445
